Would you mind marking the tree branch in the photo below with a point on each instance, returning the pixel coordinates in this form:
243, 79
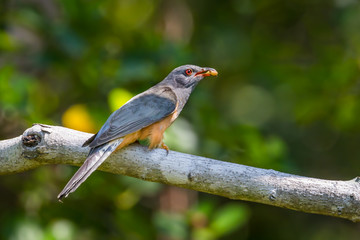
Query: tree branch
43, 144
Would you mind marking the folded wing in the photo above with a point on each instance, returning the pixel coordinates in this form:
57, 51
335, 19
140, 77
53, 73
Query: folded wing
142, 111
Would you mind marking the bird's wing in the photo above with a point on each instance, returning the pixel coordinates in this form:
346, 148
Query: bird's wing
143, 110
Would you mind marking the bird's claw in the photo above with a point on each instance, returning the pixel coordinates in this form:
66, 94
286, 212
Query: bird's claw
163, 146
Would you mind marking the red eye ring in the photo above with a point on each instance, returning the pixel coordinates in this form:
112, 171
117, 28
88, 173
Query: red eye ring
188, 71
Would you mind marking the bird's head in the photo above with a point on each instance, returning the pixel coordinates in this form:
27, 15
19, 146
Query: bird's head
187, 76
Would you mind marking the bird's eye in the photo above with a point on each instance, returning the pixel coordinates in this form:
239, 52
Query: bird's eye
188, 71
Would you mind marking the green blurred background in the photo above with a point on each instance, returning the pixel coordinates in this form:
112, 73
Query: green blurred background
286, 98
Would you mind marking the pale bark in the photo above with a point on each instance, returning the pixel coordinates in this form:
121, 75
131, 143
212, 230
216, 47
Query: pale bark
43, 144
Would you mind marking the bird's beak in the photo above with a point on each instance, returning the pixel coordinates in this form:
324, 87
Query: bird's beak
207, 72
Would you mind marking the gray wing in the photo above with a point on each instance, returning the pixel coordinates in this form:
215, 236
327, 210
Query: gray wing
143, 110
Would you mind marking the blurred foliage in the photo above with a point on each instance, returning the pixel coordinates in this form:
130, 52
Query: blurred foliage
287, 98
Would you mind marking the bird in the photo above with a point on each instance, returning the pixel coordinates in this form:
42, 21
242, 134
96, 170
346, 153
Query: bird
145, 116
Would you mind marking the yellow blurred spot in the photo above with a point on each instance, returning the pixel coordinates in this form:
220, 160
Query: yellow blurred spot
118, 97
129, 14
126, 199
7, 42
77, 117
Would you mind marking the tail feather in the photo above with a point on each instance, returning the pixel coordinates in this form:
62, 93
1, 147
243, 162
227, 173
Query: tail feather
87, 142
96, 157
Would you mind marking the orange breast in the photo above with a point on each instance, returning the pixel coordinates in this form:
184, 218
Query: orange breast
153, 132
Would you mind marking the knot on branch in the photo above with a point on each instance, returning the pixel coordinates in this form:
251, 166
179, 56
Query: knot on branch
32, 139
273, 195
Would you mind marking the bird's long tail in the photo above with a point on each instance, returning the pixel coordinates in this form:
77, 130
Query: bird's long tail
95, 158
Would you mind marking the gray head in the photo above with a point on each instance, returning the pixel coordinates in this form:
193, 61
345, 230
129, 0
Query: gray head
188, 76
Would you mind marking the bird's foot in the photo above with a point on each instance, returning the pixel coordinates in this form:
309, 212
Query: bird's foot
163, 146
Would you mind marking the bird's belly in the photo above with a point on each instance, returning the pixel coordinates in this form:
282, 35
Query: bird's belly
153, 132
